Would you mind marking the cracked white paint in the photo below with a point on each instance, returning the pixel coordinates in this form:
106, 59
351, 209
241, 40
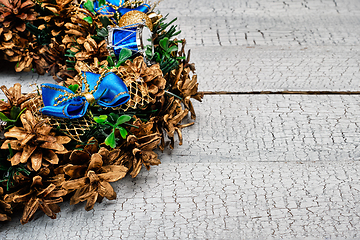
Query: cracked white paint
253, 166
234, 200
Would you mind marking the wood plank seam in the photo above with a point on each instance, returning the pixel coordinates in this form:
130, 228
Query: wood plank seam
283, 92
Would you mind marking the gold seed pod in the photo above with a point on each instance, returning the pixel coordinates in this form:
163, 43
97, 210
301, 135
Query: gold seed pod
134, 17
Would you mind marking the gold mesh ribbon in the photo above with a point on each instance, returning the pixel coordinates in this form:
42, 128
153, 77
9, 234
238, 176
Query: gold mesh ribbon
76, 128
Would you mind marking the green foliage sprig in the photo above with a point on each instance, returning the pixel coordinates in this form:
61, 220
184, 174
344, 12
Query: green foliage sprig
74, 87
15, 114
124, 55
165, 48
113, 121
160, 31
7, 172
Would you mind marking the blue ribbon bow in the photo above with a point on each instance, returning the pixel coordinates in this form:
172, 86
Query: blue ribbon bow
114, 6
107, 91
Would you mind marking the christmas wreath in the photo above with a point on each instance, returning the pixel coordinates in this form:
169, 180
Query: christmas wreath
124, 84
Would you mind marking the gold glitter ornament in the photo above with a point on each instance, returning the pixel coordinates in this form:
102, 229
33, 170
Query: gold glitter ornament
134, 17
155, 18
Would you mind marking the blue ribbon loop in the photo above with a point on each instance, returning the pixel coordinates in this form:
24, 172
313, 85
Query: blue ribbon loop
114, 6
109, 91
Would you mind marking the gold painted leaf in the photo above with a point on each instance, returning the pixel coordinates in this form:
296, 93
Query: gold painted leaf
36, 160
53, 145
74, 32
114, 175
91, 201
26, 153
109, 192
74, 184
16, 132
75, 171
88, 47
79, 157
15, 160
7, 36
29, 210
13, 143
95, 162
50, 156
63, 139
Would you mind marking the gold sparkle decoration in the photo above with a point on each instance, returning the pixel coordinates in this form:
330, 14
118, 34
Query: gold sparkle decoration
134, 17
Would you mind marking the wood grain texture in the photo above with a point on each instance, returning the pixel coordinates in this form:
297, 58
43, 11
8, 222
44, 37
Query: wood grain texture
245, 69
273, 128
267, 23
252, 166
226, 200
272, 45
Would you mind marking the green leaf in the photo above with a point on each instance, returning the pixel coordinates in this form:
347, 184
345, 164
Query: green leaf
89, 5
172, 49
103, 32
20, 114
69, 53
101, 119
14, 112
166, 54
123, 56
123, 132
105, 22
168, 65
88, 19
10, 150
5, 118
130, 125
149, 54
113, 117
21, 168
101, 2
74, 87
110, 61
173, 94
157, 57
122, 119
110, 140
9, 126
164, 43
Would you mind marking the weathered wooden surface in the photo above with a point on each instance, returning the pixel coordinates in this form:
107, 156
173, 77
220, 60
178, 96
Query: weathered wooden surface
268, 128
266, 22
253, 166
228, 200
272, 45
271, 68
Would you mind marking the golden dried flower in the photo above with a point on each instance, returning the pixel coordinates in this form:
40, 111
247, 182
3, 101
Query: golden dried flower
5, 208
35, 142
38, 195
14, 13
15, 98
137, 152
142, 153
94, 185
